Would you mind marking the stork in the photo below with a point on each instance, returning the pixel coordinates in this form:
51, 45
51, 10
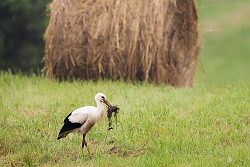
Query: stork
83, 119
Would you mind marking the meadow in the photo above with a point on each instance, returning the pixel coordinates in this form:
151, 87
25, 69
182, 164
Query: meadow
207, 125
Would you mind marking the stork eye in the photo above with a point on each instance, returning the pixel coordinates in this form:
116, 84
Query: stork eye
103, 97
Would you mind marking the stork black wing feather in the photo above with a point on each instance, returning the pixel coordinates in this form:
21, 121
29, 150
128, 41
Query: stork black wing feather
68, 127
66, 119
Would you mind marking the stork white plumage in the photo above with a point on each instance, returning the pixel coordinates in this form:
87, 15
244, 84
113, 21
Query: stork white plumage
83, 119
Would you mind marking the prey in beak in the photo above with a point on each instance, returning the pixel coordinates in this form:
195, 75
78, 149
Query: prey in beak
111, 109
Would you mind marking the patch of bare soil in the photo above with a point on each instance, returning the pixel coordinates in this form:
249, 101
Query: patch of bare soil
127, 153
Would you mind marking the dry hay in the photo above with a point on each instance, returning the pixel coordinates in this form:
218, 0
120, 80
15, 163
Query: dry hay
151, 40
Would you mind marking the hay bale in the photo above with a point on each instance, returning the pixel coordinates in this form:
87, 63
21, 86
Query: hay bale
155, 41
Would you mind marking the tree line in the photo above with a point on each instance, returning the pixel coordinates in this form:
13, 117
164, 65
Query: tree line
22, 25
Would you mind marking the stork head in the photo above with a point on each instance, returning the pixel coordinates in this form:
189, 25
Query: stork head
101, 98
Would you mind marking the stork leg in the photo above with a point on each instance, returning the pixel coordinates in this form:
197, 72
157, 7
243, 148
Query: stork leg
84, 143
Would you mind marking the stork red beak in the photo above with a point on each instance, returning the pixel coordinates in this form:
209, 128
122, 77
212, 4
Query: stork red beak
107, 103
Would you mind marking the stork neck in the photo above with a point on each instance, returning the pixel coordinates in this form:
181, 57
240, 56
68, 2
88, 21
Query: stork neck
100, 109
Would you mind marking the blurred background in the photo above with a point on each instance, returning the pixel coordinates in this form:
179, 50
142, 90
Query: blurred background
22, 24
224, 37
225, 40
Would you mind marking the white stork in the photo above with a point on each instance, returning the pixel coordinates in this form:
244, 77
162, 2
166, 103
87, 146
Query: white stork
83, 119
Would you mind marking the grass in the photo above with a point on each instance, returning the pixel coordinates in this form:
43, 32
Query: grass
207, 125
229, 62
224, 42
211, 9
158, 125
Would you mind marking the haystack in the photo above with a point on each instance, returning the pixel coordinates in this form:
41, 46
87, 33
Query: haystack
146, 40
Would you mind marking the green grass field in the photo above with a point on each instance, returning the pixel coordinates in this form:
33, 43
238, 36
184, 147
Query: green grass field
208, 125
225, 39
158, 125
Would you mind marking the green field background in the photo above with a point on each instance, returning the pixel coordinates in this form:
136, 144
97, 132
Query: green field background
225, 41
